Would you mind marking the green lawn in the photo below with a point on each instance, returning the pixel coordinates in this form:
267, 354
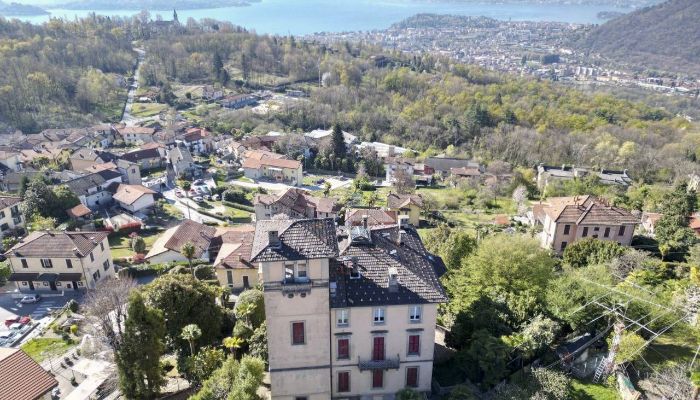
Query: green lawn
675, 346
40, 349
142, 110
590, 391
119, 244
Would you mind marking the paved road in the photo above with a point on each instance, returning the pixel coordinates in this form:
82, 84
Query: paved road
126, 116
181, 204
280, 187
39, 312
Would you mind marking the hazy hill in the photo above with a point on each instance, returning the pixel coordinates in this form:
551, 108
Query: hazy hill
16, 10
665, 37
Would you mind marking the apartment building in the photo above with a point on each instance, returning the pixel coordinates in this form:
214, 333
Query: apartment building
59, 260
568, 219
351, 314
10, 216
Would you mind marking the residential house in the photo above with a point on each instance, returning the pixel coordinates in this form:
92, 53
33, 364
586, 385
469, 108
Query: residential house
319, 135
198, 140
266, 165
149, 156
383, 150
11, 181
650, 219
295, 203
181, 162
350, 315
443, 165
370, 216
10, 159
133, 198
468, 173
60, 260
211, 93
568, 219
419, 172
79, 213
408, 205
168, 246
260, 142
23, 378
84, 158
239, 101
132, 135
10, 217
131, 172
93, 189
547, 174
232, 264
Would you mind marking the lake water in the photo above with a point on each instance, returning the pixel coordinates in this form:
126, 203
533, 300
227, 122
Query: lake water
299, 17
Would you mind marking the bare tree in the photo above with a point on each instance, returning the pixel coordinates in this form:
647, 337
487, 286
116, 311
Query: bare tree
403, 182
671, 382
106, 308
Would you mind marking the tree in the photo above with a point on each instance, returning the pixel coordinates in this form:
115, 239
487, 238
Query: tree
63, 199
630, 348
371, 198
520, 198
138, 245
191, 333
5, 273
539, 384
105, 308
233, 344
183, 301
41, 223
485, 359
408, 394
461, 392
257, 343
37, 198
250, 308
537, 334
673, 382
671, 230
403, 182
513, 269
202, 365
338, 140
138, 357
187, 251
326, 189
482, 314
591, 251
234, 380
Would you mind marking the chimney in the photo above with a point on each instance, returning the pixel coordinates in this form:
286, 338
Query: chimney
355, 272
273, 239
393, 279
365, 218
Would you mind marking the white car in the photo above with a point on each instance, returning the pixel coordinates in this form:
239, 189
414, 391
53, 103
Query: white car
30, 299
16, 326
198, 199
6, 335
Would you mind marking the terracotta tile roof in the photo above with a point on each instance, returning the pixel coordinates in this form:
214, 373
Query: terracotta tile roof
9, 201
298, 203
199, 235
586, 210
254, 163
138, 130
78, 211
129, 194
375, 216
57, 244
110, 165
464, 171
299, 240
21, 378
395, 200
417, 270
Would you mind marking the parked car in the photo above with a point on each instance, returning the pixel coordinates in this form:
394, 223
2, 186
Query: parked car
29, 299
14, 320
207, 197
15, 327
198, 199
216, 197
198, 182
179, 193
6, 335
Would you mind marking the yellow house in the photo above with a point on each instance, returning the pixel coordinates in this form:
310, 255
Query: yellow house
406, 205
267, 165
58, 261
354, 319
232, 265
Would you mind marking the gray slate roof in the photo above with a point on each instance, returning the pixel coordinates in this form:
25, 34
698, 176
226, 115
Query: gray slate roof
299, 240
418, 271
80, 186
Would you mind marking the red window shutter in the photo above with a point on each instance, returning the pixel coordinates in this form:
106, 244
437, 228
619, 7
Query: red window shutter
378, 349
377, 378
414, 344
343, 381
412, 377
298, 332
343, 348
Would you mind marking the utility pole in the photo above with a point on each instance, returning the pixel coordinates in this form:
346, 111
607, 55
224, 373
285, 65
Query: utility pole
607, 365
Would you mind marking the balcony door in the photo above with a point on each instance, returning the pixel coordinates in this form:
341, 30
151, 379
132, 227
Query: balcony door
378, 348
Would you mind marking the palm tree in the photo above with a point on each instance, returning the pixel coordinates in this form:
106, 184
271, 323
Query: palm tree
191, 333
187, 250
233, 343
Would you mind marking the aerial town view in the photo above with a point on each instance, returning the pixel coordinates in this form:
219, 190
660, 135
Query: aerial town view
350, 200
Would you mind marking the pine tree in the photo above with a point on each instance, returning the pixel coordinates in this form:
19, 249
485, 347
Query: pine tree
338, 142
138, 359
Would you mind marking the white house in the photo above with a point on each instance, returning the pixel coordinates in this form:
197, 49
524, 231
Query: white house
93, 189
133, 198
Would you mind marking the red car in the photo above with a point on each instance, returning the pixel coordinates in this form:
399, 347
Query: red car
17, 320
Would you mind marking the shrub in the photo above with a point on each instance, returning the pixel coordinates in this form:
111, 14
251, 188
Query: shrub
591, 251
73, 306
74, 329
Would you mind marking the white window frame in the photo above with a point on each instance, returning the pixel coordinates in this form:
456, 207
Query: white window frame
411, 315
339, 314
379, 315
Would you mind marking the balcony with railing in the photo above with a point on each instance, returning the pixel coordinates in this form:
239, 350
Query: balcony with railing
386, 363
295, 286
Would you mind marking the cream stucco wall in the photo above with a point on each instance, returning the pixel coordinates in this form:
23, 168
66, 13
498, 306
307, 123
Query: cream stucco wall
237, 275
412, 211
142, 203
92, 269
361, 331
553, 234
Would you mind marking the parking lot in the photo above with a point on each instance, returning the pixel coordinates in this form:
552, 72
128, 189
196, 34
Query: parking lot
10, 307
